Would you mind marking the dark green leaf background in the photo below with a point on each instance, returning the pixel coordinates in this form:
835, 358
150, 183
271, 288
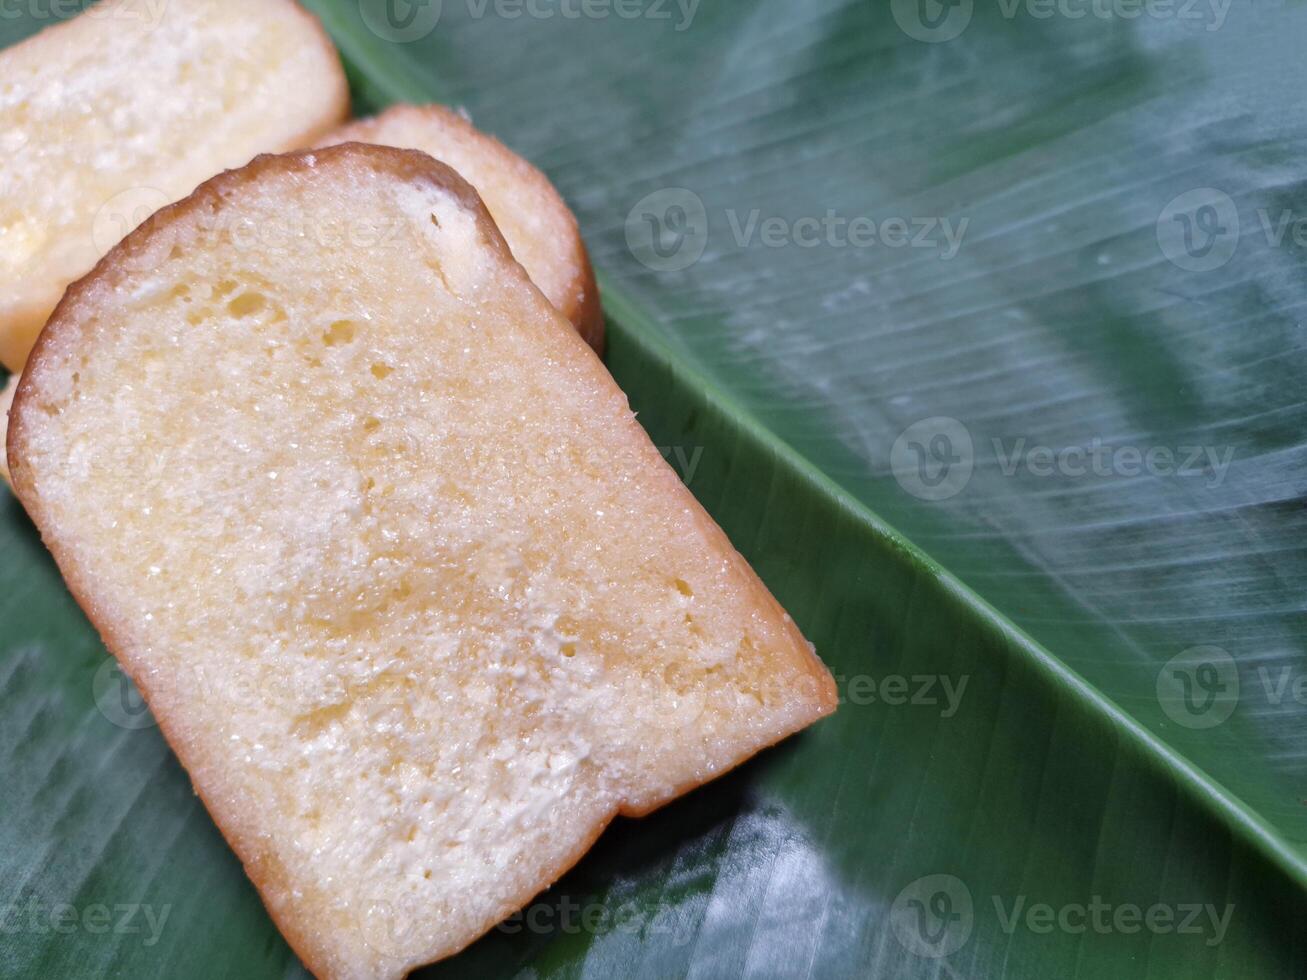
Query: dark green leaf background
1070, 774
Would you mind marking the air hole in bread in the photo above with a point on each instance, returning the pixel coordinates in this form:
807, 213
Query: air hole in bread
339, 333
246, 304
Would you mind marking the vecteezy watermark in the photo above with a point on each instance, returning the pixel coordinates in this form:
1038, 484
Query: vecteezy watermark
1200, 230
1199, 688
935, 458
684, 459
932, 21
118, 699
38, 918
940, 691
1202, 686
405, 21
1103, 918
137, 207
571, 917
147, 12
123, 213
934, 917
401, 21
1209, 463
391, 924
668, 230
936, 21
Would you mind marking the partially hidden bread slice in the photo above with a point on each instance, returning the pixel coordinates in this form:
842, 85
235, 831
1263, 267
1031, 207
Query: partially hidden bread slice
6, 400
108, 116
414, 598
539, 227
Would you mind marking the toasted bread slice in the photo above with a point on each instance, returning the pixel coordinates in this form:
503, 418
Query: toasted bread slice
535, 221
412, 595
107, 116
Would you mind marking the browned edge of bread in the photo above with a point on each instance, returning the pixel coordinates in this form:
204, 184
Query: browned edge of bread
409, 165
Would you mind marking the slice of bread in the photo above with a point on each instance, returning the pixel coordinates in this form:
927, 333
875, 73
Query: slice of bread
414, 598
108, 116
535, 221
6, 400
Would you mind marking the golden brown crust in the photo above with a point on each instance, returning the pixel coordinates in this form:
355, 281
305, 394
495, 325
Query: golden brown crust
263, 867
588, 314
584, 307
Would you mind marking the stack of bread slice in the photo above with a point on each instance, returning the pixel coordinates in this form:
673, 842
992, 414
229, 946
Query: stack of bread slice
107, 116
322, 453
537, 224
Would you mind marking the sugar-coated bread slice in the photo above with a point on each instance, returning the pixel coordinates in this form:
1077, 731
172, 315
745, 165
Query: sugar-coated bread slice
535, 221
105, 117
414, 598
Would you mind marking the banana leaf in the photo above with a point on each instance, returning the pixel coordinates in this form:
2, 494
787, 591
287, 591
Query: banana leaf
978, 327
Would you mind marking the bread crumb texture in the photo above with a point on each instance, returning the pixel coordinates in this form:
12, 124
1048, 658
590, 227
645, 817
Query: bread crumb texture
416, 601
109, 116
535, 221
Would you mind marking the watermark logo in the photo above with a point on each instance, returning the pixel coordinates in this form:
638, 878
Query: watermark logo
391, 924
933, 459
684, 459
1199, 688
406, 21
135, 207
401, 21
940, 691
570, 917
1198, 231
1210, 14
119, 700
933, 916
683, 698
1097, 458
833, 230
123, 213
667, 231
932, 21
36, 918
147, 12
1105, 918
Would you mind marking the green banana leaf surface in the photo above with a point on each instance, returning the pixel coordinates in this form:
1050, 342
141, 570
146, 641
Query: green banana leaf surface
979, 327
